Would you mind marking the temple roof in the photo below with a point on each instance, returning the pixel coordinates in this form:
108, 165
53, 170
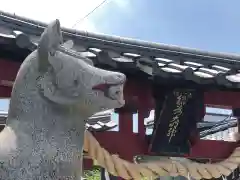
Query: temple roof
100, 121
128, 55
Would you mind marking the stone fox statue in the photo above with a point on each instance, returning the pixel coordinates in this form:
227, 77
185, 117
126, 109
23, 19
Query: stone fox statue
55, 91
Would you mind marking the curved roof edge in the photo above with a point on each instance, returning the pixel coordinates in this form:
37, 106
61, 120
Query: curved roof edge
35, 27
187, 67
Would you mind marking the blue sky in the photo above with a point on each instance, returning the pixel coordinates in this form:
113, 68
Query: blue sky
209, 25
212, 25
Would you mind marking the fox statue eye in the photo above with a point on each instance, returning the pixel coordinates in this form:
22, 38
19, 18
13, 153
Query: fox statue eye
75, 82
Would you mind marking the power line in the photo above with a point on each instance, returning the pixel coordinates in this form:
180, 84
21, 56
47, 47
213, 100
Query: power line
92, 11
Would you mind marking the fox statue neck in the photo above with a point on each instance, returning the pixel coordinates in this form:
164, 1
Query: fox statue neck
42, 131
53, 122
57, 141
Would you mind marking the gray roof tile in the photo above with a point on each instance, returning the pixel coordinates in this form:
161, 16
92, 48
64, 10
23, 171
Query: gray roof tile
164, 61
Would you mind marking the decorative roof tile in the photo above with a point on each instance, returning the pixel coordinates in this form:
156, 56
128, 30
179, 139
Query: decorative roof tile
131, 56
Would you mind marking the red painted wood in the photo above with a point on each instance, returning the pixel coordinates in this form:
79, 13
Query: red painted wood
225, 99
141, 127
8, 71
87, 164
127, 144
125, 123
5, 92
134, 87
216, 150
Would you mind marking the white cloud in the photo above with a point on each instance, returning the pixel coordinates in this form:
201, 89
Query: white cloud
69, 12
124, 4
86, 25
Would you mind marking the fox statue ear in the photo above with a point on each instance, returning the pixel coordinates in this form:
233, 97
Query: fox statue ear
50, 40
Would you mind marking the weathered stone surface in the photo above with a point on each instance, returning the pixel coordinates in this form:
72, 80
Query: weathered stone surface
55, 91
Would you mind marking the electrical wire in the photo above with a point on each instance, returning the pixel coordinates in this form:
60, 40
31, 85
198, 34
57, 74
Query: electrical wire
88, 14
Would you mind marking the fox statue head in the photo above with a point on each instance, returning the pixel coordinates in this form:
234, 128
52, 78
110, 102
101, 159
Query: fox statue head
64, 77
56, 90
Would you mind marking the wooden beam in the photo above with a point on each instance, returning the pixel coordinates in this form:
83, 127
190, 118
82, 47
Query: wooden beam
212, 149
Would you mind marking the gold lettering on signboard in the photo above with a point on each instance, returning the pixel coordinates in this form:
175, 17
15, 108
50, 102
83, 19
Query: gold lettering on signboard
181, 100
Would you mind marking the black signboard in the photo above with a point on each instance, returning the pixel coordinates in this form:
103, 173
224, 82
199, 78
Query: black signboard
176, 114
